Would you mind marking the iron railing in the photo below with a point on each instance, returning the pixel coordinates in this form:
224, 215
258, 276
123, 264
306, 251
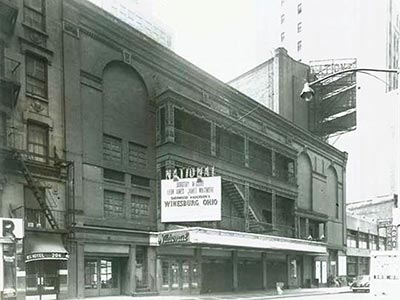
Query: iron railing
36, 219
10, 69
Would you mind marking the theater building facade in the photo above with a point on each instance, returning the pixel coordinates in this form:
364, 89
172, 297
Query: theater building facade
111, 112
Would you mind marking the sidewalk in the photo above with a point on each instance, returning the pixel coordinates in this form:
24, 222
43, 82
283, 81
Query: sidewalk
256, 295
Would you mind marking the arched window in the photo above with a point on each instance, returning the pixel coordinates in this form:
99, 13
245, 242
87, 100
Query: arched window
304, 181
332, 192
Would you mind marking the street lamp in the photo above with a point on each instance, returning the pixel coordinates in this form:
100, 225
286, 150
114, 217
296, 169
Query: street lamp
308, 93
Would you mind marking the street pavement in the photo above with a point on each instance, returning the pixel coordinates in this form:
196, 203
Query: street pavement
258, 295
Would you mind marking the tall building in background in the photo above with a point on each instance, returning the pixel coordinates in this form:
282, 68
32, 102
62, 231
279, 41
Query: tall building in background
369, 31
139, 15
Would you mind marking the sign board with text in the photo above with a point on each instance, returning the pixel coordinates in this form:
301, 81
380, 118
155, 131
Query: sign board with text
191, 199
11, 228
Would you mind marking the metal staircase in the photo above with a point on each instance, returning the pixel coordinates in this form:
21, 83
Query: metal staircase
238, 200
34, 186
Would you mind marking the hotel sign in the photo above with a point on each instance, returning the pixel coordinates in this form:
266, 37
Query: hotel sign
46, 256
191, 199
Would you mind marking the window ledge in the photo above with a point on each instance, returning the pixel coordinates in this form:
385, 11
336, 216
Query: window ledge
41, 32
36, 97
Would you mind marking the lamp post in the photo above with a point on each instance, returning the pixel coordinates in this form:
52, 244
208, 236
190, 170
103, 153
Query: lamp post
308, 93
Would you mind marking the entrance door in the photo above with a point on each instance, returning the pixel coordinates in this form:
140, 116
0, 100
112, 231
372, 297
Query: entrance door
102, 277
42, 280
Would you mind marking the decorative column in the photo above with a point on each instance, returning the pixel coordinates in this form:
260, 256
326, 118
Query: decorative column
264, 270
235, 280
152, 268
131, 271
273, 163
273, 209
213, 139
80, 264
198, 258
246, 206
170, 123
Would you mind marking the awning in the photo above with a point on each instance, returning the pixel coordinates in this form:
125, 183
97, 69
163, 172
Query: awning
225, 238
44, 246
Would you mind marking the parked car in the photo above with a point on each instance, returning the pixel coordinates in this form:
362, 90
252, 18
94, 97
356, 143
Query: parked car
361, 284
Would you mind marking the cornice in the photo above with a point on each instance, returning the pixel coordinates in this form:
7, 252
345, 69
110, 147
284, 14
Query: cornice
148, 52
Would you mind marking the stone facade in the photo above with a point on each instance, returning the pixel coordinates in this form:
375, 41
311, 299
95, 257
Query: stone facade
116, 110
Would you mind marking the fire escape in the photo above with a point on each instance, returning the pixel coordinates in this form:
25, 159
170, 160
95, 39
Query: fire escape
12, 158
253, 222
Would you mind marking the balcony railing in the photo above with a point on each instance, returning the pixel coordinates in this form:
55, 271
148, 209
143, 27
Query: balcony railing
36, 219
8, 15
231, 155
268, 228
192, 141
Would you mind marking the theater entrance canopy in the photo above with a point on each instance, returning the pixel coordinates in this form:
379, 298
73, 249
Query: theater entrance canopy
206, 237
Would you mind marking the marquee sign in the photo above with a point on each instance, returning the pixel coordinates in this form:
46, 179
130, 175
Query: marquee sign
191, 199
173, 238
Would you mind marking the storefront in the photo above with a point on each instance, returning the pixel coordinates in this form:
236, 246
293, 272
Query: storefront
200, 260
45, 266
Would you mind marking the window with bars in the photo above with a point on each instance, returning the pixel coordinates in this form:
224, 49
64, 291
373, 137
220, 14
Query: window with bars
34, 14
112, 148
137, 156
139, 206
138, 180
363, 241
113, 175
113, 204
38, 142
36, 76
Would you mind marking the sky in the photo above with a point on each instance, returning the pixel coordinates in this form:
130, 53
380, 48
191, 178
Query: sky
223, 37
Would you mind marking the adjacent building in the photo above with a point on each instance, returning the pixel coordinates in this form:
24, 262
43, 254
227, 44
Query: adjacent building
93, 117
327, 33
371, 225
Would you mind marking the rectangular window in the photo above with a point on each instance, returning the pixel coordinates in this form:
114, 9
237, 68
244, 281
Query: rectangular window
112, 149
138, 180
260, 158
299, 8
38, 143
192, 132
352, 266
34, 14
36, 76
113, 204
351, 239
139, 206
137, 156
299, 46
113, 175
363, 241
230, 146
299, 27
